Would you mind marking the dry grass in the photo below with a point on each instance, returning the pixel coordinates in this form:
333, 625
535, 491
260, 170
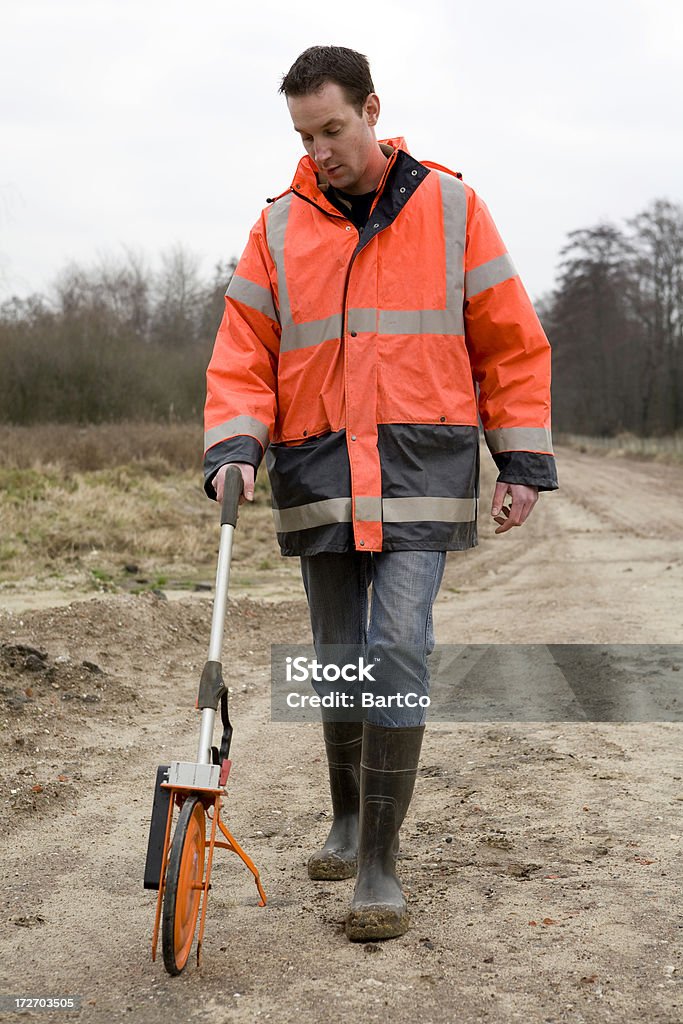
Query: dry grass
657, 449
157, 447
78, 506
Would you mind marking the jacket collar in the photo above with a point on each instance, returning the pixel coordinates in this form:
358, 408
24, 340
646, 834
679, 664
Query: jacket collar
308, 181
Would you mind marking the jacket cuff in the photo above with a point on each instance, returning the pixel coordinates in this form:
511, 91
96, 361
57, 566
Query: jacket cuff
535, 469
241, 448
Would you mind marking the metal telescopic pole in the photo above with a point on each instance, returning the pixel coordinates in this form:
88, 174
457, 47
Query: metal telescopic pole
233, 490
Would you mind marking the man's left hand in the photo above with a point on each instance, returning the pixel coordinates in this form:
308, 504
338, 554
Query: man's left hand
523, 500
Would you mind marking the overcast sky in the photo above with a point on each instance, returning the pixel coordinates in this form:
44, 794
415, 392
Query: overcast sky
147, 123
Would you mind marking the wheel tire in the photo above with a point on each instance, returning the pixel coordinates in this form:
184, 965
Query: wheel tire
181, 900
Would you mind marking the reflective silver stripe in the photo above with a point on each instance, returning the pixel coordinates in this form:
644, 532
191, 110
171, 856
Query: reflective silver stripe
392, 510
454, 200
489, 274
434, 510
383, 321
519, 439
314, 332
368, 510
318, 513
238, 425
276, 229
252, 295
420, 321
362, 320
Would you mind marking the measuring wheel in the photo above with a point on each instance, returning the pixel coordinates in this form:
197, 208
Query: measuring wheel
184, 883
180, 869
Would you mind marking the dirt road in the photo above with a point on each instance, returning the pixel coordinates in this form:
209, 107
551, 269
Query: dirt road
542, 860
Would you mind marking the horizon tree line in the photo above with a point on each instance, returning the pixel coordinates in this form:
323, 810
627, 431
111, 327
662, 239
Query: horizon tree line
122, 340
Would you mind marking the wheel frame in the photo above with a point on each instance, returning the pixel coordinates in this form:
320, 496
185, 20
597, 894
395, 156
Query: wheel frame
182, 897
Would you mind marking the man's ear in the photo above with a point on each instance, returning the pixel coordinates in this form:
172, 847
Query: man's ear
371, 109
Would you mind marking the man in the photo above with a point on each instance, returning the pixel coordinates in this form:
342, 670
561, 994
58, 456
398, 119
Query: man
372, 295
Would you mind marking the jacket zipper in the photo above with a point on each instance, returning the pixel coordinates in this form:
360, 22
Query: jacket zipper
356, 250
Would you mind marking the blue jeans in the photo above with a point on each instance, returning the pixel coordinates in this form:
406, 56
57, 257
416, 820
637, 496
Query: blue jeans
394, 639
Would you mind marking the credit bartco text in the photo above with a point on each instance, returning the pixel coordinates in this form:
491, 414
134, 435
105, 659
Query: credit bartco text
366, 700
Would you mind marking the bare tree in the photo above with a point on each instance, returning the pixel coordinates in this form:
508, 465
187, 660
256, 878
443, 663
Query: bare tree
178, 296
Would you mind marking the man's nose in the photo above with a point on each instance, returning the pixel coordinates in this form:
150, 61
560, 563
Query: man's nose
321, 151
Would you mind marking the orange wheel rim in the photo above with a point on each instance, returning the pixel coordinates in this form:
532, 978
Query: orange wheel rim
188, 897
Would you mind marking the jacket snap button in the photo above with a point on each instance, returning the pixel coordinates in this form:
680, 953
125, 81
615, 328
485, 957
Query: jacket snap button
401, 189
414, 174
375, 225
348, 227
443, 419
353, 437
362, 543
305, 433
354, 334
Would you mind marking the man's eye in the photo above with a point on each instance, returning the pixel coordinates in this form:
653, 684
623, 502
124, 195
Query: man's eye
335, 132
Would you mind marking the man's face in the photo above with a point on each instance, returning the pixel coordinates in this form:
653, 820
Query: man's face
340, 141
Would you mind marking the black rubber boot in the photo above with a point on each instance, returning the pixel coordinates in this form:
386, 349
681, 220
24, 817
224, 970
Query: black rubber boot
338, 857
388, 772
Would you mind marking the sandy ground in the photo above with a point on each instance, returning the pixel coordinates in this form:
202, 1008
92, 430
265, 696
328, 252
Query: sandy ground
542, 860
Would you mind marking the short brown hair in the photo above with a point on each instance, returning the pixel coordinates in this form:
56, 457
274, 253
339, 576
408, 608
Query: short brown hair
320, 64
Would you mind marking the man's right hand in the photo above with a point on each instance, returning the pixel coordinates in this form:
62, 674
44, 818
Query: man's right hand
247, 472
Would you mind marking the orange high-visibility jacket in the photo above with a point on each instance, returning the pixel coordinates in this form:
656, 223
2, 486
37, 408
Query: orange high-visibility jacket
351, 358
